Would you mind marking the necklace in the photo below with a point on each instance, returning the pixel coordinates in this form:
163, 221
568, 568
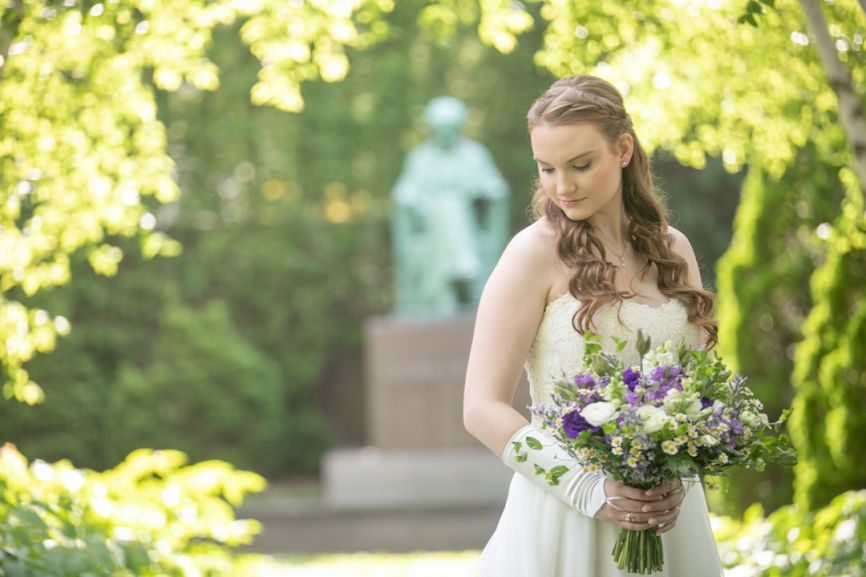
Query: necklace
620, 257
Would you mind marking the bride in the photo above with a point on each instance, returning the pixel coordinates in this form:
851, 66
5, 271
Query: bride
553, 282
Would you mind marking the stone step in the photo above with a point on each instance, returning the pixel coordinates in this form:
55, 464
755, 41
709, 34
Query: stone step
314, 527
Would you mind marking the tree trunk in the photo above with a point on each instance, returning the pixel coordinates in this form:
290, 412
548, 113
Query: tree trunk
851, 113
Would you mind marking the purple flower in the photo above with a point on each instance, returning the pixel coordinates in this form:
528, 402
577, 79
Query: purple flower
632, 398
630, 378
706, 402
574, 424
658, 373
584, 380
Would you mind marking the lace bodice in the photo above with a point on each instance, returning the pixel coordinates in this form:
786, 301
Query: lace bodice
557, 350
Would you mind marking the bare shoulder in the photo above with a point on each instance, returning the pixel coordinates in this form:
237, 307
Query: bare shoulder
682, 247
536, 243
528, 263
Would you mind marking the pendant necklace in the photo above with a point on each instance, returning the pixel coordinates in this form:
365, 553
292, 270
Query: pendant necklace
620, 257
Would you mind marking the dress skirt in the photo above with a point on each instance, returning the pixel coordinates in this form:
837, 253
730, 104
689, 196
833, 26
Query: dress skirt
540, 536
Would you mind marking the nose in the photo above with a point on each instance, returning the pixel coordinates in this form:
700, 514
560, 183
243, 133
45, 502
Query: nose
564, 183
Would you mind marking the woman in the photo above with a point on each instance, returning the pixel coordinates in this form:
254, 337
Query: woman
553, 282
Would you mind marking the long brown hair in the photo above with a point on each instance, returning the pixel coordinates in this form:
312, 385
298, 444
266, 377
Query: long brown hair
591, 99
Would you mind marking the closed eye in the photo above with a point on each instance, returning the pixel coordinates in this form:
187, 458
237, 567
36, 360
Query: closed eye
582, 167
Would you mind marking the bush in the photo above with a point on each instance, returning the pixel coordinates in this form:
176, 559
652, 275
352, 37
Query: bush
793, 543
206, 391
149, 516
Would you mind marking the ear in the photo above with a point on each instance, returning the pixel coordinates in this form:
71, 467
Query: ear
625, 147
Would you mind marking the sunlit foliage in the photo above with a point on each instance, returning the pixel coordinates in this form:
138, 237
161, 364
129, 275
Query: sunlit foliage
794, 542
151, 515
83, 157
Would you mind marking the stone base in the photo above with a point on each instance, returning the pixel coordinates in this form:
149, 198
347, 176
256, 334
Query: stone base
415, 376
370, 478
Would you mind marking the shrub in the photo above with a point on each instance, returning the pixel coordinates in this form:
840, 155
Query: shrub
793, 543
151, 515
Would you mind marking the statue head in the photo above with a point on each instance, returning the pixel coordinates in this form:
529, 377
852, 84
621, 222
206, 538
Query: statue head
446, 116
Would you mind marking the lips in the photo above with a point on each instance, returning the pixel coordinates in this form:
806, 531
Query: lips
572, 202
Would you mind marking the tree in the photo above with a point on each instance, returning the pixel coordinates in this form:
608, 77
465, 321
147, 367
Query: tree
82, 154
697, 83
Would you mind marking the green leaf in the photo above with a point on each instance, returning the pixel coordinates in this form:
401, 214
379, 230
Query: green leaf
533, 443
555, 473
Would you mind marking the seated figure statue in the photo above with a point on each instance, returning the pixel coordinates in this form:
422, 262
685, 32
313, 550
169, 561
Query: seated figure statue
449, 218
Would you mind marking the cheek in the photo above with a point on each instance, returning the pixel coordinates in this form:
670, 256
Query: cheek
548, 182
602, 178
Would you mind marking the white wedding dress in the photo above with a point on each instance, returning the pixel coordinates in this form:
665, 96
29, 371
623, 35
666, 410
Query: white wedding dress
537, 534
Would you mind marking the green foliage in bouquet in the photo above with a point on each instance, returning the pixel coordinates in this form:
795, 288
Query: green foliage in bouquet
792, 542
151, 515
709, 382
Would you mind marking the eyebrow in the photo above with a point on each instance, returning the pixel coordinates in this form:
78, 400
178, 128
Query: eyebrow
567, 161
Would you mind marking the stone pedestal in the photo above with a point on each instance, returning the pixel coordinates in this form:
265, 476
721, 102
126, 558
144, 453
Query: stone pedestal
415, 374
418, 453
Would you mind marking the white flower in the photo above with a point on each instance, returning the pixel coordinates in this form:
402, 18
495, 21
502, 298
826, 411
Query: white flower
598, 414
709, 441
658, 357
653, 418
676, 402
748, 419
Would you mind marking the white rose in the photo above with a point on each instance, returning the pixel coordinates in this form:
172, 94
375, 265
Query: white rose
709, 441
598, 414
677, 402
660, 356
653, 418
693, 411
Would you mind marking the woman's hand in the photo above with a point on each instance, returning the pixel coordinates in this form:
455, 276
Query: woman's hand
637, 510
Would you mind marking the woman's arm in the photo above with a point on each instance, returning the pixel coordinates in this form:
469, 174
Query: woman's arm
509, 313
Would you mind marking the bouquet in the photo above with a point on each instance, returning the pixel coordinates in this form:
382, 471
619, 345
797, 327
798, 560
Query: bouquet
676, 414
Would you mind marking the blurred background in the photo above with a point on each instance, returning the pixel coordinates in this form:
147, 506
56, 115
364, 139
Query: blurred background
196, 226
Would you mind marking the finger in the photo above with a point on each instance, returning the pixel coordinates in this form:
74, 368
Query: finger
663, 518
665, 528
669, 502
665, 488
633, 526
631, 521
626, 505
635, 494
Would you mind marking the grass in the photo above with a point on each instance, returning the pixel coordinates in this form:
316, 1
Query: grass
368, 564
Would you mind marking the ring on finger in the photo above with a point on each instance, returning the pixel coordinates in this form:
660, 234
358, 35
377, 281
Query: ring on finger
627, 518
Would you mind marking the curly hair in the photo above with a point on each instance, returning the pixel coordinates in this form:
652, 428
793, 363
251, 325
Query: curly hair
591, 99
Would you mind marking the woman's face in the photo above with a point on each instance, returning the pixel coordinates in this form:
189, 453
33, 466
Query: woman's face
578, 169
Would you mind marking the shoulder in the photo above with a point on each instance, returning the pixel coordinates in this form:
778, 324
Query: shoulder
528, 262
534, 246
681, 244
683, 248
